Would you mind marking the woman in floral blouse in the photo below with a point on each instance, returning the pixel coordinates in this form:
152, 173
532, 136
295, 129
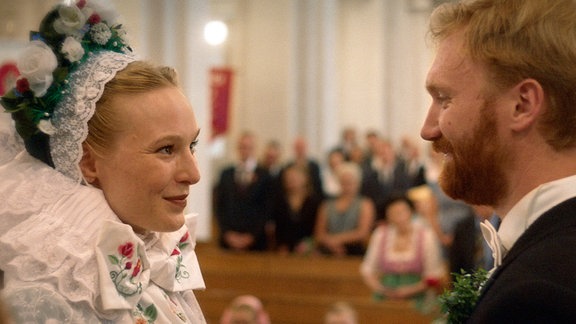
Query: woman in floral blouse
92, 221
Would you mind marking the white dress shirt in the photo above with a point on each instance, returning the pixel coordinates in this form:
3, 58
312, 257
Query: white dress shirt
525, 212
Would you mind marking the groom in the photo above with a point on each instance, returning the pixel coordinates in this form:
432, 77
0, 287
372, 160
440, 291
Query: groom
503, 113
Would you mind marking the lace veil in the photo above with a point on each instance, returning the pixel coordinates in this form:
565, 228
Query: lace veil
73, 112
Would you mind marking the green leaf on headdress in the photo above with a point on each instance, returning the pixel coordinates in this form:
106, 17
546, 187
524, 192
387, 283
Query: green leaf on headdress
60, 73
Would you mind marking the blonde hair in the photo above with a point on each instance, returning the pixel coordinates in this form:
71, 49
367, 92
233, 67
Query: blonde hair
521, 39
138, 77
350, 168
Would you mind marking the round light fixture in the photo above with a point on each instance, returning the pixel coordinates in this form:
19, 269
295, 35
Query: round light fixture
215, 32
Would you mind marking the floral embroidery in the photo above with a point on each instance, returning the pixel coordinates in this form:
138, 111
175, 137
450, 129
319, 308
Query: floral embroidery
125, 277
181, 272
146, 315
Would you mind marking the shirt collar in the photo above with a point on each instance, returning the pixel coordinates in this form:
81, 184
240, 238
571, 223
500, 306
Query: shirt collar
532, 206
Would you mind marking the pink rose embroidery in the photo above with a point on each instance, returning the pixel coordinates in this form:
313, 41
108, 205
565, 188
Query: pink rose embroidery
126, 250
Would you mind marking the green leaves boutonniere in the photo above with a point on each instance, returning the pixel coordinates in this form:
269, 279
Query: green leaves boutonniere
459, 302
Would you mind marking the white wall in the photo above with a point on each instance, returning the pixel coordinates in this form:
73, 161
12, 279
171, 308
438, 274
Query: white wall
313, 67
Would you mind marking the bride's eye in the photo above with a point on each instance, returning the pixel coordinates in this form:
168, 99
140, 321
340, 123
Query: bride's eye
193, 146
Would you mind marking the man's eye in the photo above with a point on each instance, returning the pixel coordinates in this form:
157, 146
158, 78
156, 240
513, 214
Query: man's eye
443, 100
168, 149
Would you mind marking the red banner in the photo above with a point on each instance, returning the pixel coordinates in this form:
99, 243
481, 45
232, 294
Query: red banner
221, 88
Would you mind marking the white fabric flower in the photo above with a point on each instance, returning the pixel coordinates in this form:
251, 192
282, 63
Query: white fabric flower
72, 49
36, 64
71, 21
100, 33
46, 127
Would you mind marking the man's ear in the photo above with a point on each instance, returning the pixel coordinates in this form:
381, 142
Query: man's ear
530, 104
88, 164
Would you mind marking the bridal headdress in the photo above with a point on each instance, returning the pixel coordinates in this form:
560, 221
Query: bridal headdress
79, 48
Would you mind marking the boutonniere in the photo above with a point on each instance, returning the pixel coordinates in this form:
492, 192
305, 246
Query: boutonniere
458, 303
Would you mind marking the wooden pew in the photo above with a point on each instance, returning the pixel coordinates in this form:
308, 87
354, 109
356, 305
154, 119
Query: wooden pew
293, 289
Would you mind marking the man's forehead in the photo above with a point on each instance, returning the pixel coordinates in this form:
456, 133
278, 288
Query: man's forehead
450, 59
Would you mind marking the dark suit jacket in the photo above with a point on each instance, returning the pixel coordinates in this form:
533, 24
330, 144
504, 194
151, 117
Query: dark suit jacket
243, 209
536, 282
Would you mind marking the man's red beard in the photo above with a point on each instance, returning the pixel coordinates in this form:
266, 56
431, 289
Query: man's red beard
475, 171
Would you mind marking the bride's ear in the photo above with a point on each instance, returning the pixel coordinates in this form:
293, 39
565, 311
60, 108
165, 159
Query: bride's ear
88, 165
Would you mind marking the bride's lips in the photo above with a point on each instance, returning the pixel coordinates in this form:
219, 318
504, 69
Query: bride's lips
179, 200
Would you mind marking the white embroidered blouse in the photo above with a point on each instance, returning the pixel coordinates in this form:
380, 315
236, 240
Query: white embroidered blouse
67, 258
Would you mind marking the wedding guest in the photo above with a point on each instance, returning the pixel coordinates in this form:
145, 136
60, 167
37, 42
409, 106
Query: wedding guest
294, 212
403, 259
330, 183
271, 161
413, 162
245, 309
371, 138
271, 158
344, 223
502, 114
348, 142
341, 313
92, 223
242, 199
302, 157
384, 175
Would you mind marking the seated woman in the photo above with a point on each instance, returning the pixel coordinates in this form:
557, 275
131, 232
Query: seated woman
92, 219
294, 211
403, 258
344, 223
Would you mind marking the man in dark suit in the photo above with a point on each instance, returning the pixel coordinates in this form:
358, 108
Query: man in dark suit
385, 174
241, 200
503, 113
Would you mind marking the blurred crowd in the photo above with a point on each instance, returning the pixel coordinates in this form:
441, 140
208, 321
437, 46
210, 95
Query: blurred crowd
366, 197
